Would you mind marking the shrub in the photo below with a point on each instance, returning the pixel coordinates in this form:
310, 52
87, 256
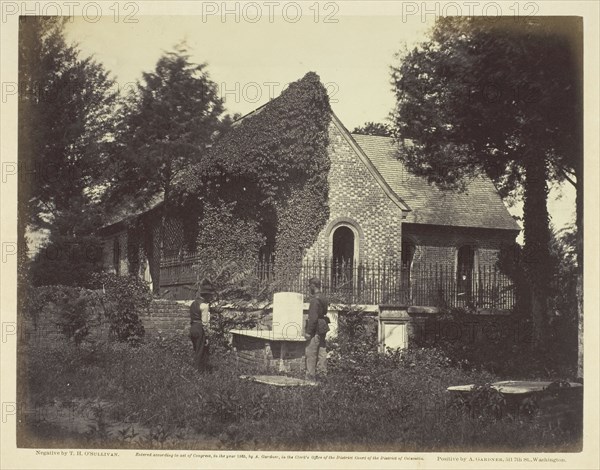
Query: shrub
126, 296
230, 279
222, 322
500, 343
357, 330
67, 260
74, 320
484, 401
356, 339
72, 309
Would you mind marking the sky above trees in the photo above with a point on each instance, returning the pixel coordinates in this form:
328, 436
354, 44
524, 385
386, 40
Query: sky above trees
252, 62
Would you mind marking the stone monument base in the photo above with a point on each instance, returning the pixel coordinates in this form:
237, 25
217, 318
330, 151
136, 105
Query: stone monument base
262, 348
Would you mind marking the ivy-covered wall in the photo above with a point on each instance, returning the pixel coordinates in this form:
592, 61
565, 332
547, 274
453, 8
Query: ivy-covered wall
270, 173
223, 237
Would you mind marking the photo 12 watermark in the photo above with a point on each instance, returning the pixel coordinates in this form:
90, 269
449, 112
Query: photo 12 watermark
91, 12
254, 12
429, 11
236, 92
8, 250
255, 92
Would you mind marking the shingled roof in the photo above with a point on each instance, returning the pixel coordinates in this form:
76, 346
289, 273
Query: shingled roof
479, 205
129, 209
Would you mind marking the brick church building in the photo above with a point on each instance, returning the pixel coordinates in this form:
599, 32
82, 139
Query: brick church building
380, 215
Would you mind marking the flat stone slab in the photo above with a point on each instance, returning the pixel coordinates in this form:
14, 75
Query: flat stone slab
279, 380
422, 309
394, 315
516, 387
270, 335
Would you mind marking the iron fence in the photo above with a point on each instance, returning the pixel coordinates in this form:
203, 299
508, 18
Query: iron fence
389, 282
379, 282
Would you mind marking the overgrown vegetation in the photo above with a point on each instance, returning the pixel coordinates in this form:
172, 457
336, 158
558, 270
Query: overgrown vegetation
357, 338
222, 323
270, 173
152, 397
126, 297
559, 351
502, 345
74, 310
67, 260
165, 125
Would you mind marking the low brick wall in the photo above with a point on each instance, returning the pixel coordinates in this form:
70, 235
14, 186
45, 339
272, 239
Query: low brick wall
45, 329
39, 333
162, 316
166, 316
172, 317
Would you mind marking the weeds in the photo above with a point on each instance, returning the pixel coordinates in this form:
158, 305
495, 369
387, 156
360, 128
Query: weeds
392, 402
156, 438
98, 431
127, 434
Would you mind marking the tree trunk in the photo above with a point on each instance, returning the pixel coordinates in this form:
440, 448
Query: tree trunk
579, 251
537, 237
579, 326
161, 244
163, 221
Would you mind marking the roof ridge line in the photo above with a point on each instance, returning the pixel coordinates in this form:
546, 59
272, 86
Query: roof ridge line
250, 113
371, 135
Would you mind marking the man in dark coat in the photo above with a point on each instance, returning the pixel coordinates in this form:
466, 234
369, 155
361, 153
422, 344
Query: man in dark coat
200, 319
317, 327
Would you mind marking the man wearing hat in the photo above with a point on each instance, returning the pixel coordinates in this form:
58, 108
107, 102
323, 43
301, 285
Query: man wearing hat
317, 327
200, 319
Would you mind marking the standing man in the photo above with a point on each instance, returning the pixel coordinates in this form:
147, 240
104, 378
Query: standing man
200, 319
317, 327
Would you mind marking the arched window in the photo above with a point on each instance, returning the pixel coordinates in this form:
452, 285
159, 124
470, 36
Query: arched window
465, 272
343, 249
345, 238
343, 244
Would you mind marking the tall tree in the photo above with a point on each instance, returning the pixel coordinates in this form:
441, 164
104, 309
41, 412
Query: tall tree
503, 98
167, 124
66, 105
563, 300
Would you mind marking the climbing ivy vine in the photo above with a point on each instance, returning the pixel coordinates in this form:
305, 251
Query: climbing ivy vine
273, 164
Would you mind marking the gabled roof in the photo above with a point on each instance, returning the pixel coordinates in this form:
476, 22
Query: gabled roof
371, 168
479, 205
129, 209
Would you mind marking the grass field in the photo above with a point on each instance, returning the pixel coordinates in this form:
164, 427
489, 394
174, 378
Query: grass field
111, 395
